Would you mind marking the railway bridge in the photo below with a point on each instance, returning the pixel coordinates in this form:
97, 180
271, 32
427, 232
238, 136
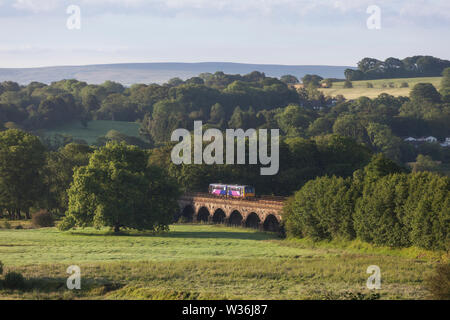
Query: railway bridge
262, 213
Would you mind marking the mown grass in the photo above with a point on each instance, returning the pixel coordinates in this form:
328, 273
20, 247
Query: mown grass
360, 87
94, 129
201, 262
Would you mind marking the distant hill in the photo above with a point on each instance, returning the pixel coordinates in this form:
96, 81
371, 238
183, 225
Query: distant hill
130, 73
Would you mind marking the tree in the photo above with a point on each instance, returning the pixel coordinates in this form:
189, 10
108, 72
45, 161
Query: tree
58, 174
311, 79
379, 167
289, 79
119, 189
322, 209
425, 92
425, 163
348, 84
445, 85
21, 160
350, 126
217, 113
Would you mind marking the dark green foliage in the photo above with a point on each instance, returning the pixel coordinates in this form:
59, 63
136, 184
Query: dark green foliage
348, 84
21, 160
438, 284
403, 210
1, 267
381, 205
377, 215
322, 209
43, 219
311, 79
445, 85
119, 189
416, 66
425, 92
289, 79
14, 281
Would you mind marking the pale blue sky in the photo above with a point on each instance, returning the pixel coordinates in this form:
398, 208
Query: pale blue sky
301, 32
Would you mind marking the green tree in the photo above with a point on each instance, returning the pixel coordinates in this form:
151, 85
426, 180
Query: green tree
22, 156
350, 126
58, 174
445, 85
119, 189
322, 209
289, 79
425, 92
348, 84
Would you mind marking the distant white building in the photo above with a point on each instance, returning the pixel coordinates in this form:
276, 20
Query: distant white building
429, 139
410, 139
446, 143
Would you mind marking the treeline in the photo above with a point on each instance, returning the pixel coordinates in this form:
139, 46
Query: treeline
380, 204
38, 105
300, 161
113, 185
416, 66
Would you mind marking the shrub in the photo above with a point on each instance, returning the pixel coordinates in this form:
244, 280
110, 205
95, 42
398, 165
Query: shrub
7, 225
43, 219
404, 85
438, 284
14, 280
322, 209
348, 84
377, 218
1, 267
369, 85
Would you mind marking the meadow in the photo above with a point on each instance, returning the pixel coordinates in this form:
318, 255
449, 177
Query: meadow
205, 262
379, 86
94, 129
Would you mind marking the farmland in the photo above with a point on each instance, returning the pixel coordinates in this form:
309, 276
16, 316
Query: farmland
379, 86
94, 129
205, 262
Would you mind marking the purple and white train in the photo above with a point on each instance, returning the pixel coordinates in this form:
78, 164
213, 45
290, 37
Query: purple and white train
233, 191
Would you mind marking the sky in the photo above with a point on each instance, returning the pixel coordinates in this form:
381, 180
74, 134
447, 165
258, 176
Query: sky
34, 33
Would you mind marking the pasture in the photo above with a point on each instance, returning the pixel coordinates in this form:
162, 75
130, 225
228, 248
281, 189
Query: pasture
204, 262
94, 129
379, 86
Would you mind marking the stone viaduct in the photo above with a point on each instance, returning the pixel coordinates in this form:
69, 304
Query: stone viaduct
261, 213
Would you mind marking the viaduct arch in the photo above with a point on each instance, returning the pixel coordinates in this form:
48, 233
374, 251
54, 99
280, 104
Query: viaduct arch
261, 213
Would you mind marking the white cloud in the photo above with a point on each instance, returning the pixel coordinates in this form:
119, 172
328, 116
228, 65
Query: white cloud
400, 9
36, 5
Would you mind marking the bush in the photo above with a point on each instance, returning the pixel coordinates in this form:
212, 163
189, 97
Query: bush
348, 84
43, 219
14, 280
7, 225
438, 284
369, 85
322, 209
404, 85
378, 218
1, 267
405, 209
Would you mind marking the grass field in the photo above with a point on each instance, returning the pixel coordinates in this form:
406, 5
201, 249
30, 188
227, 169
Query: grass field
204, 262
95, 129
360, 87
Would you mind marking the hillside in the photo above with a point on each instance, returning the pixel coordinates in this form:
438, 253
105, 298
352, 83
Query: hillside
379, 86
130, 73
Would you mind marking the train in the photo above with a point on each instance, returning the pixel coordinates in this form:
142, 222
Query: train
232, 191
